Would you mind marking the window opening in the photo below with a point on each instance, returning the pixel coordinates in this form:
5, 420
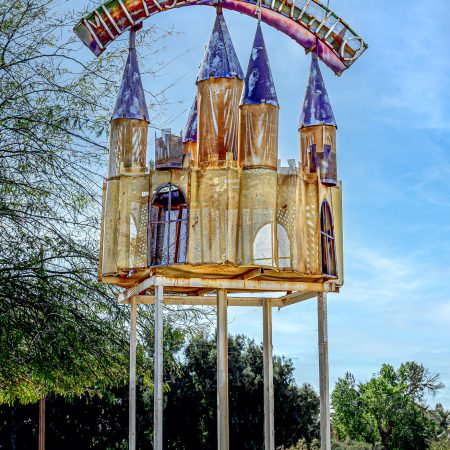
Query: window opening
168, 227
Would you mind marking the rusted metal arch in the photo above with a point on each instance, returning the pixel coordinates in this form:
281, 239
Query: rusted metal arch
308, 22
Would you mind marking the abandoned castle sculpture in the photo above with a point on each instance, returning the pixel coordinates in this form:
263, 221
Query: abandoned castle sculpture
216, 201
214, 211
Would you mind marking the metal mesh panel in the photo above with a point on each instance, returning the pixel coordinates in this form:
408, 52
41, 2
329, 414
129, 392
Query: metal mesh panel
287, 235
258, 199
218, 118
258, 138
213, 229
128, 146
133, 220
110, 227
311, 253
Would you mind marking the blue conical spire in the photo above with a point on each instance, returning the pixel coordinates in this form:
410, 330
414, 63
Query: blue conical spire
131, 100
259, 86
190, 131
220, 59
316, 106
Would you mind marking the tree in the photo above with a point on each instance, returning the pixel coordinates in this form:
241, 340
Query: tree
60, 330
190, 413
390, 408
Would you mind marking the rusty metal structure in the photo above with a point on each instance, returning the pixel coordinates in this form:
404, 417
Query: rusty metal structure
217, 217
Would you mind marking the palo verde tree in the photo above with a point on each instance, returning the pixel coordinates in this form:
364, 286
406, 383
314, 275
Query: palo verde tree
60, 332
389, 409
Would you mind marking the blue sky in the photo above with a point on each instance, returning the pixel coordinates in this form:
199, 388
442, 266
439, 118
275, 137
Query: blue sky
393, 112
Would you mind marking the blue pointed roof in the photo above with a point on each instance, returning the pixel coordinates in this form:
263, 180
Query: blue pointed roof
316, 106
190, 131
220, 59
259, 86
131, 100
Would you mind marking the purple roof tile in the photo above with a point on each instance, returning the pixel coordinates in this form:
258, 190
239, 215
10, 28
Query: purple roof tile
131, 100
316, 106
259, 85
220, 59
190, 131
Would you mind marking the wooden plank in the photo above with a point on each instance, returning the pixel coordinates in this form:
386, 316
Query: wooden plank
202, 300
222, 371
158, 371
250, 285
269, 424
296, 297
325, 431
229, 284
132, 393
198, 300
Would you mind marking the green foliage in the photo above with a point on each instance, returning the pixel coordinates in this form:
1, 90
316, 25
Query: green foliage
190, 414
60, 331
190, 407
389, 409
352, 445
302, 444
440, 444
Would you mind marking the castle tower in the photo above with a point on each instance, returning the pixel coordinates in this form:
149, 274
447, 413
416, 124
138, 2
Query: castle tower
219, 85
129, 121
258, 154
125, 213
318, 129
190, 133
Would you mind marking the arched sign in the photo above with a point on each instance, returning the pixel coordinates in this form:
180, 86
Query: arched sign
308, 22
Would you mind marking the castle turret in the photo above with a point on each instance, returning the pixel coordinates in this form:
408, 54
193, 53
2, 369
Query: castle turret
190, 133
219, 90
129, 122
259, 110
125, 206
318, 129
258, 153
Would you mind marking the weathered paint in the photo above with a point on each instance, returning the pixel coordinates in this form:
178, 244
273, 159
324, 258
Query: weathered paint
259, 86
131, 102
220, 59
190, 131
316, 106
308, 22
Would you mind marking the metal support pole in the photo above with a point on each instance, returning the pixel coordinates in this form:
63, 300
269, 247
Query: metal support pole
222, 371
269, 424
158, 375
325, 431
132, 405
42, 423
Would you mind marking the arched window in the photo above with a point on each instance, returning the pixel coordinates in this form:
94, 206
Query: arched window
327, 241
263, 253
168, 227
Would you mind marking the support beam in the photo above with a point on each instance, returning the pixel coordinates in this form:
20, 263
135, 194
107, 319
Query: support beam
296, 297
325, 431
222, 371
214, 283
132, 400
158, 371
42, 423
269, 424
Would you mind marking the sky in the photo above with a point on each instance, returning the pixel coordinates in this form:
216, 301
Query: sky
393, 112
